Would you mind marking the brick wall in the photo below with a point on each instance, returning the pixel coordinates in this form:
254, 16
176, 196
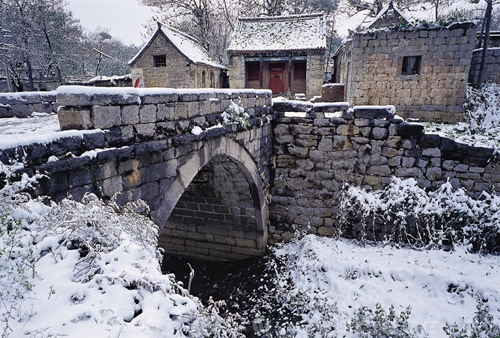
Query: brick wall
373, 72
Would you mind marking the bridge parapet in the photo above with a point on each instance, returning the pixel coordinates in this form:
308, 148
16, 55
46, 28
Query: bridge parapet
135, 115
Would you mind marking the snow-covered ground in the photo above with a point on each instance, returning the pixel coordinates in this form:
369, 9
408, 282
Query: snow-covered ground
90, 270
335, 282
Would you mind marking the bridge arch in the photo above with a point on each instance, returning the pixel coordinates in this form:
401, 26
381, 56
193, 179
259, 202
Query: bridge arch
215, 209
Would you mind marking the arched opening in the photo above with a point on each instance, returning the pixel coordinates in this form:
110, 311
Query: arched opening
215, 209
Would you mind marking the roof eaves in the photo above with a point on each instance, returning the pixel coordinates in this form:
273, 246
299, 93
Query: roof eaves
144, 48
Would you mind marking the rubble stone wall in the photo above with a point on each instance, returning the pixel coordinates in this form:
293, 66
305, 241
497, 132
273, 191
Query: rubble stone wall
328, 145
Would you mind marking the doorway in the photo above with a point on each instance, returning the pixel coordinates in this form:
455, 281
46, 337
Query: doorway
276, 83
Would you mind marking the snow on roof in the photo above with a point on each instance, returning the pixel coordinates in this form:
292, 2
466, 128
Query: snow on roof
279, 33
185, 44
390, 5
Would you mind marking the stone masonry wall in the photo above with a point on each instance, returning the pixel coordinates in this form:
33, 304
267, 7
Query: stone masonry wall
374, 73
314, 74
492, 65
327, 145
25, 103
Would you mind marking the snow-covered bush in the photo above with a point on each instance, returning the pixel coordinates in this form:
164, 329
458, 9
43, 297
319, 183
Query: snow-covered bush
369, 323
482, 326
91, 269
446, 216
482, 107
235, 114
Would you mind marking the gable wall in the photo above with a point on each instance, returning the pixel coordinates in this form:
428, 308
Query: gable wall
436, 94
179, 72
176, 74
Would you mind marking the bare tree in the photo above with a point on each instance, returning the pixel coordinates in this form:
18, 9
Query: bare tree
209, 21
485, 40
42, 32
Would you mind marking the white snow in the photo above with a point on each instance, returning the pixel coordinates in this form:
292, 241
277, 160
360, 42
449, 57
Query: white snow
39, 128
294, 32
482, 128
186, 44
345, 277
84, 270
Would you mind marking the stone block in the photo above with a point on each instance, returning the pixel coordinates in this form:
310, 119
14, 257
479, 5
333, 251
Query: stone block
147, 113
379, 170
374, 112
74, 118
347, 130
130, 114
430, 141
105, 117
292, 106
434, 174
111, 186
431, 152
146, 130
379, 133
411, 130
165, 112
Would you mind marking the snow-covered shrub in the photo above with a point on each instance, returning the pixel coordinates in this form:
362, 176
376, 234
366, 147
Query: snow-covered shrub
410, 214
91, 269
235, 114
482, 123
369, 323
482, 326
481, 108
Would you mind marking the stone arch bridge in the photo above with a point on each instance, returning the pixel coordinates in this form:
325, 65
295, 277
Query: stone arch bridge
208, 193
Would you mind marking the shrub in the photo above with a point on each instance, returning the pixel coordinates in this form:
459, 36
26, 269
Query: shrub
405, 213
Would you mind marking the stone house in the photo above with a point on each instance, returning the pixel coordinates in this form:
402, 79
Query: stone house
388, 16
423, 72
281, 53
174, 59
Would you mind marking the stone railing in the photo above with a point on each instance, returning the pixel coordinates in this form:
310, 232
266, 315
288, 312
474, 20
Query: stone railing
25, 103
318, 148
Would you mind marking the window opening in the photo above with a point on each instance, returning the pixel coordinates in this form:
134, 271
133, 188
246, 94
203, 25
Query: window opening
160, 60
411, 65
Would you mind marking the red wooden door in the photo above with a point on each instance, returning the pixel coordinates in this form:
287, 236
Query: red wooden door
276, 83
